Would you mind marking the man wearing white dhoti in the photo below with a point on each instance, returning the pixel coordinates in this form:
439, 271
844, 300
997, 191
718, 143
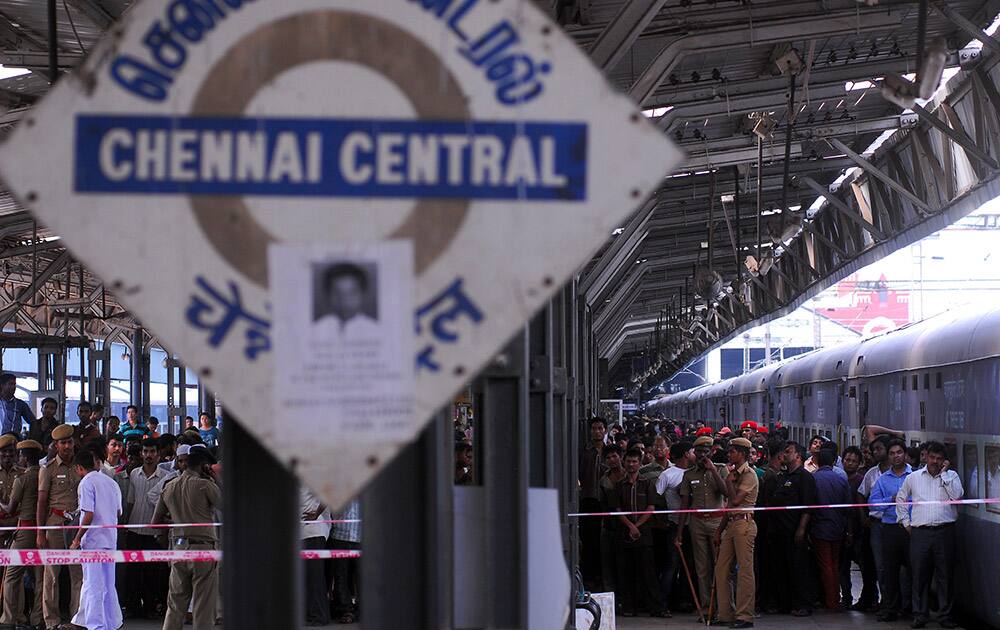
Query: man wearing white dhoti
100, 504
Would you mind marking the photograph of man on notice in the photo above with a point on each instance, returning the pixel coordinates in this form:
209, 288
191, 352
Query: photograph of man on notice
345, 297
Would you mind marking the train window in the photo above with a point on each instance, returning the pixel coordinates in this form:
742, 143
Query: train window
853, 392
992, 476
902, 383
864, 406
937, 378
923, 415
952, 451
914, 382
927, 380
970, 470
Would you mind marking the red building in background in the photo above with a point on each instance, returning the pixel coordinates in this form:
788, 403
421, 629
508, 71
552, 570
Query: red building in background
866, 307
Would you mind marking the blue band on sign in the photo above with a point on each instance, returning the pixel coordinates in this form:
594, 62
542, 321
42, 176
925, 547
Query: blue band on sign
331, 157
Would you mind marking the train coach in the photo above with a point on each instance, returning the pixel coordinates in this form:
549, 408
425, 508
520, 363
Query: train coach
935, 379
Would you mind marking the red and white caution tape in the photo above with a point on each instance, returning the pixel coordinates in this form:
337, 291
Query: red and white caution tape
771, 508
40, 557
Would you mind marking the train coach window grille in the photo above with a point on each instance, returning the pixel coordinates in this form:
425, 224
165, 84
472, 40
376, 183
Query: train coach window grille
937, 379
914, 388
902, 383
970, 470
992, 476
923, 415
852, 392
864, 405
927, 380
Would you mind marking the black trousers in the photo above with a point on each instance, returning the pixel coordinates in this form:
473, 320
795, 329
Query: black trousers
590, 543
637, 579
314, 584
932, 553
859, 552
667, 561
794, 570
146, 590
346, 580
895, 556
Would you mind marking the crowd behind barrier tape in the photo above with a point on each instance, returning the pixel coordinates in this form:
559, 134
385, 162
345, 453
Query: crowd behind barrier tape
769, 508
58, 557
12, 528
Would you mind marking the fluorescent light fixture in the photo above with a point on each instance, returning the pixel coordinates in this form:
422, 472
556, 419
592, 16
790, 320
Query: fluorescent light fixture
10, 73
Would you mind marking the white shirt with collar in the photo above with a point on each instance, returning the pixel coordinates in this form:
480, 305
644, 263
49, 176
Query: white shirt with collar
922, 486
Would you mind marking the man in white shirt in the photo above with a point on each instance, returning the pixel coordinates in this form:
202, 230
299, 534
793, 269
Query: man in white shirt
100, 504
314, 536
344, 292
147, 581
668, 486
932, 532
880, 456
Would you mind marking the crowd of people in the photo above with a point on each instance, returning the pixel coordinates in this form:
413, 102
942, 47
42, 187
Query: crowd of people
730, 563
99, 471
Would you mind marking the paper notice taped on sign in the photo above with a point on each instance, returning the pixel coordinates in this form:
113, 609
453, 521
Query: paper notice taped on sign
343, 339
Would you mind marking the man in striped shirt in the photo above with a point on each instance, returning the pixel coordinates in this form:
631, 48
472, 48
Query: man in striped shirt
932, 532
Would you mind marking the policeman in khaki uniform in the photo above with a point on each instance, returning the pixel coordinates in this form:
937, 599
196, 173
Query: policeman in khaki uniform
191, 498
735, 537
702, 487
23, 502
8, 472
57, 497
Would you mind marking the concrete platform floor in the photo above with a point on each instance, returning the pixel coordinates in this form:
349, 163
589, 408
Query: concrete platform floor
818, 621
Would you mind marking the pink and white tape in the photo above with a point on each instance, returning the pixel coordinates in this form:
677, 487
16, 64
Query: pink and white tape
771, 508
40, 557
12, 528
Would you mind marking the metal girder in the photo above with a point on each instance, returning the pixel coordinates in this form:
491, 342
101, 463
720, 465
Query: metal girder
618, 36
839, 74
956, 134
966, 25
8, 312
842, 208
32, 59
95, 12
813, 229
768, 32
618, 253
876, 172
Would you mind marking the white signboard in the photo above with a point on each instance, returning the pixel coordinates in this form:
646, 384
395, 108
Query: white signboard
204, 131
343, 340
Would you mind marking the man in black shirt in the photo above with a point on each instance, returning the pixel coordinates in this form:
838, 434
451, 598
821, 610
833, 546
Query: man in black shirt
591, 470
767, 554
789, 529
636, 575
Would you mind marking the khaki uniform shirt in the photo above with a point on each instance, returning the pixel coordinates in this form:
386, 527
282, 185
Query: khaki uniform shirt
25, 494
745, 479
702, 488
7, 478
190, 498
60, 480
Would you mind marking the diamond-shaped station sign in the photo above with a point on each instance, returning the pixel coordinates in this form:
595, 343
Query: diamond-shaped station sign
200, 133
